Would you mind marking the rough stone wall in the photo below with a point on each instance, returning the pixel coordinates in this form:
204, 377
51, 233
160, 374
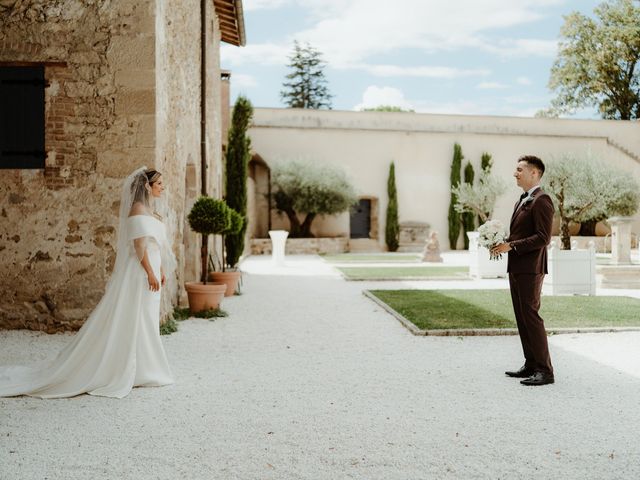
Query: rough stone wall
177, 78
178, 148
57, 229
302, 246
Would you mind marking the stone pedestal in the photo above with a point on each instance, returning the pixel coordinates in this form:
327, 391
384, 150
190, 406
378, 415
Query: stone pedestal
413, 236
619, 276
620, 240
278, 242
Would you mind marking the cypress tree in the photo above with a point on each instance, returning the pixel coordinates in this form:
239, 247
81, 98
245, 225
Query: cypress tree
237, 160
468, 220
392, 227
454, 217
485, 164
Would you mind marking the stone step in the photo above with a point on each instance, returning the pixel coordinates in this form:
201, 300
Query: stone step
618, 276
364, 245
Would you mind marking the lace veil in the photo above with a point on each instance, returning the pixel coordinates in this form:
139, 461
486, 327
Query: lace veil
132, 191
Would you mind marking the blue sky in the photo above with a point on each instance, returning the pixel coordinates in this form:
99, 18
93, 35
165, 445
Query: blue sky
486, 57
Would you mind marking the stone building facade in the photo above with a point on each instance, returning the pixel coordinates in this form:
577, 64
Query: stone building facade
123, 89
421, 145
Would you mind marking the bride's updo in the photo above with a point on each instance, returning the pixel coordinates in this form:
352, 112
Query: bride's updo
140, 187
152, 176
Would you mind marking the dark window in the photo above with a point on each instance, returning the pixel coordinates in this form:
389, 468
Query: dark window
22, 117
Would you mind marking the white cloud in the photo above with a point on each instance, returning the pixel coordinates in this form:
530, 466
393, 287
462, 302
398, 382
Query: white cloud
369, 27
491, 86
249, 5
421, 71
254, 54
522, 47
511, 106
375, 96
523, 81
242, 80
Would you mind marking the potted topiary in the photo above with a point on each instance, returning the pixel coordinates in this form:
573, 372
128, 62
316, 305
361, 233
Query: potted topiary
230, 278
208, 216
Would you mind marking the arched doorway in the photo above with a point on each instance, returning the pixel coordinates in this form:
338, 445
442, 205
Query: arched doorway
259, 198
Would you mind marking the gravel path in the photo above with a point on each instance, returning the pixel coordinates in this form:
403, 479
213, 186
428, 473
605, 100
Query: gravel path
308, 379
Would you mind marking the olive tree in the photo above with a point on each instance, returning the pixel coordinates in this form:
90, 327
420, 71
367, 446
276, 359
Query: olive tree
310, 189
585, 189
479, 199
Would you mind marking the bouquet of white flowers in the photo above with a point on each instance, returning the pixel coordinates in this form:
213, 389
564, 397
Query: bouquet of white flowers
491, 234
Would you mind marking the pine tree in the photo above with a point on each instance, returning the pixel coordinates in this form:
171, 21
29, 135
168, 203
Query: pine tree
468, 218
392, 228
454, 216
306, 86
237, 159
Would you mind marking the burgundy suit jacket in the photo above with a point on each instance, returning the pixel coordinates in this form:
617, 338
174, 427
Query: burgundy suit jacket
529, 234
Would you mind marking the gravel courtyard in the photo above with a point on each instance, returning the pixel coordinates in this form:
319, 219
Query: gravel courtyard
308, 379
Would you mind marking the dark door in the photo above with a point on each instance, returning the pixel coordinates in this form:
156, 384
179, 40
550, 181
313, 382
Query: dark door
361, 219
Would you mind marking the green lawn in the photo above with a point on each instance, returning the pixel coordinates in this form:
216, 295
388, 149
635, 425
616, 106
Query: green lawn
459, 309
373, 258
403, 273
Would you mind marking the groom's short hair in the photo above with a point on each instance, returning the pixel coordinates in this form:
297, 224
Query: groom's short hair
533, 161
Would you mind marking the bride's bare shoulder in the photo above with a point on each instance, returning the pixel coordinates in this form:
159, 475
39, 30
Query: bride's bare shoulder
137, 208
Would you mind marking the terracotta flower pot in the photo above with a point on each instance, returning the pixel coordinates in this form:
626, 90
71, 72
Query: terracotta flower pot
231, 279
204, 297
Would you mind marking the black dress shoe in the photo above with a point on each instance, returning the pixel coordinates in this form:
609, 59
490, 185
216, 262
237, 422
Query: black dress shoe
538, 378
524, 372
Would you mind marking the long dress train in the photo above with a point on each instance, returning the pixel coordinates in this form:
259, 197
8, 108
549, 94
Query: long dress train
119, 346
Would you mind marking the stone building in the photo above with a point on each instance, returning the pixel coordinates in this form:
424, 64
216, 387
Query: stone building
111, 85
421, 145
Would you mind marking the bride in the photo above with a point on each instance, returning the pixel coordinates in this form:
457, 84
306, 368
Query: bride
119, 345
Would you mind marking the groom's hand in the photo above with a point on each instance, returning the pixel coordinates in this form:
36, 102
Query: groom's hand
501, 248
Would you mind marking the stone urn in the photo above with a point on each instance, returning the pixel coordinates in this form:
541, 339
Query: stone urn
204, 296
230, 279
480, 263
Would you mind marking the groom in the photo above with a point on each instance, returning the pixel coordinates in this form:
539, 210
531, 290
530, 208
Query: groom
530, 233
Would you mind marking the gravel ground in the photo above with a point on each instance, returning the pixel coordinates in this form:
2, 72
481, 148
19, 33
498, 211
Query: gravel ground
308, 379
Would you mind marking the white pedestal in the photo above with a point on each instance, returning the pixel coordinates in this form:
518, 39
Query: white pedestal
480, 265
278, 242
620, 240
571, 272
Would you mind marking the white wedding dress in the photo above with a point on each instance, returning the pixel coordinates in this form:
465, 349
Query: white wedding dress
119, 345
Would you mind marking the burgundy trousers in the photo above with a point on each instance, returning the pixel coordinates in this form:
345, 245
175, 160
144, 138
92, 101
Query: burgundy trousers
525, 295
